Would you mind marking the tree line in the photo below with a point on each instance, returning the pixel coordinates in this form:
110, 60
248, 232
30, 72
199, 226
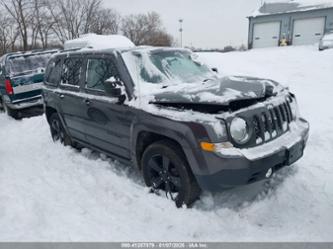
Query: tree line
41, 24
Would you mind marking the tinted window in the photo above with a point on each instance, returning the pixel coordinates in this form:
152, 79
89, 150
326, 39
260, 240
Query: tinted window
54, 72
71, 71
98, 71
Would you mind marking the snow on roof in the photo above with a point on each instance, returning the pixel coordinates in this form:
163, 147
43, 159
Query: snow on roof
99, 42
270, 7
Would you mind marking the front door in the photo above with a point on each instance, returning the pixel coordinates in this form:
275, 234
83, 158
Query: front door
108, 126
71, 100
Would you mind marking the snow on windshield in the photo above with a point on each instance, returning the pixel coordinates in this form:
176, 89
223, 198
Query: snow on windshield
24, 64
166, 67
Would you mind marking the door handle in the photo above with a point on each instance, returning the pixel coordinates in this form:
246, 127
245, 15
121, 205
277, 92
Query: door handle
61, 96
87, 101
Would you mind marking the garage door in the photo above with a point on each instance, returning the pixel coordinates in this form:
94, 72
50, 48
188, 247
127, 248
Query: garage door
308, 31
266, 34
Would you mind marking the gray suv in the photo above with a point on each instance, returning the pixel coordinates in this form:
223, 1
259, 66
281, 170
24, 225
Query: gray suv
182, 125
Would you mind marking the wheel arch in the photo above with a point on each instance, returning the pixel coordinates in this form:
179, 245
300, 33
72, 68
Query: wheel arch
146, 138
144, 135
49, 110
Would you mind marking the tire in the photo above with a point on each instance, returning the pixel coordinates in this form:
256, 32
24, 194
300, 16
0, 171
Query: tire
58, 132
11, 112
164, 167
1, 105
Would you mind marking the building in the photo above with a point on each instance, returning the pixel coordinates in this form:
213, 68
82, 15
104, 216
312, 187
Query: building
290, 21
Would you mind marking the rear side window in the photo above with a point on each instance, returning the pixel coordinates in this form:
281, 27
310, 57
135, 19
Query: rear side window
98, 71
53, 72
71, 71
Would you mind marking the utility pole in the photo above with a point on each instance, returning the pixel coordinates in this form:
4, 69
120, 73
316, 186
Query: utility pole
181, 31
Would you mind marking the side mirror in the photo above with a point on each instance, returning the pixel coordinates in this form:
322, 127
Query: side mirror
114, 88
214, 69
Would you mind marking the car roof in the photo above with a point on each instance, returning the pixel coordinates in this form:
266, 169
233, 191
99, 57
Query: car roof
118, 50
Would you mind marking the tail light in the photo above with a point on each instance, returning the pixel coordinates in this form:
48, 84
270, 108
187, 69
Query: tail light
9, 87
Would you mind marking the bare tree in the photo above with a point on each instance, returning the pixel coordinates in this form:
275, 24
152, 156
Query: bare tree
91, 9
20, 10
42, 22
72, 17
105, 21
28, 24
8, 33
160, 39
146, 29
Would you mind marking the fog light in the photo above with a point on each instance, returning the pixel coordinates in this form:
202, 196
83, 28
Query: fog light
269, 173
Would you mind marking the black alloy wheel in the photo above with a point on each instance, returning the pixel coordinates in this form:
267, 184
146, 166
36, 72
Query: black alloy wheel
164, 175
165, 168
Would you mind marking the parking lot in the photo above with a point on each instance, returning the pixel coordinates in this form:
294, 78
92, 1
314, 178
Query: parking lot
53, 193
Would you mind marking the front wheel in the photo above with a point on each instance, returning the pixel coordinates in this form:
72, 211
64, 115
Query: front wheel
165, 169
58, 132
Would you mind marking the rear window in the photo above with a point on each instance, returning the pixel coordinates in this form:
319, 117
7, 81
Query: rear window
26, 64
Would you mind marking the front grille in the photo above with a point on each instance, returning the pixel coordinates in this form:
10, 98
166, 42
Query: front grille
272, 122
266, 123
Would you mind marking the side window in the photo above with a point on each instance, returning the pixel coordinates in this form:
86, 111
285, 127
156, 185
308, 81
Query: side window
53, 72
71, 71
98, 71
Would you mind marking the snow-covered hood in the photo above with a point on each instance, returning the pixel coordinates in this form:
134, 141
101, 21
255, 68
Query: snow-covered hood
218, 91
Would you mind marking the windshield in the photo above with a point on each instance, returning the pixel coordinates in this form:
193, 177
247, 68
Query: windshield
166, 66
27, 63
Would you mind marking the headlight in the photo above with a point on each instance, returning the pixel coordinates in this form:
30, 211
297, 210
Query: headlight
239, 130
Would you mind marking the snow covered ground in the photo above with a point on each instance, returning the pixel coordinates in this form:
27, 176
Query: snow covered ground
52, 193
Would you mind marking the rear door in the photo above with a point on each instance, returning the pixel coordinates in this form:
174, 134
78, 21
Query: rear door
308, 31
266, 34
109, 122
70, 98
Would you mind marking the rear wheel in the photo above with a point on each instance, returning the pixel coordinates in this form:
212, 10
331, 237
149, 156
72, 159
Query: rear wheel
1, 104
58, 132
165, 169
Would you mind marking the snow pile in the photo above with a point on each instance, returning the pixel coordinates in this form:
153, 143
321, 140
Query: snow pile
99, 42
53, 193
328, 37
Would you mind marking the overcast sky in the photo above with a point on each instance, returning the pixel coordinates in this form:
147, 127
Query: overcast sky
207, 23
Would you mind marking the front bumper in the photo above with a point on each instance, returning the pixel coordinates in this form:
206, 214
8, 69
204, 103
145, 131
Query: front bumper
235, 167
26, 103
